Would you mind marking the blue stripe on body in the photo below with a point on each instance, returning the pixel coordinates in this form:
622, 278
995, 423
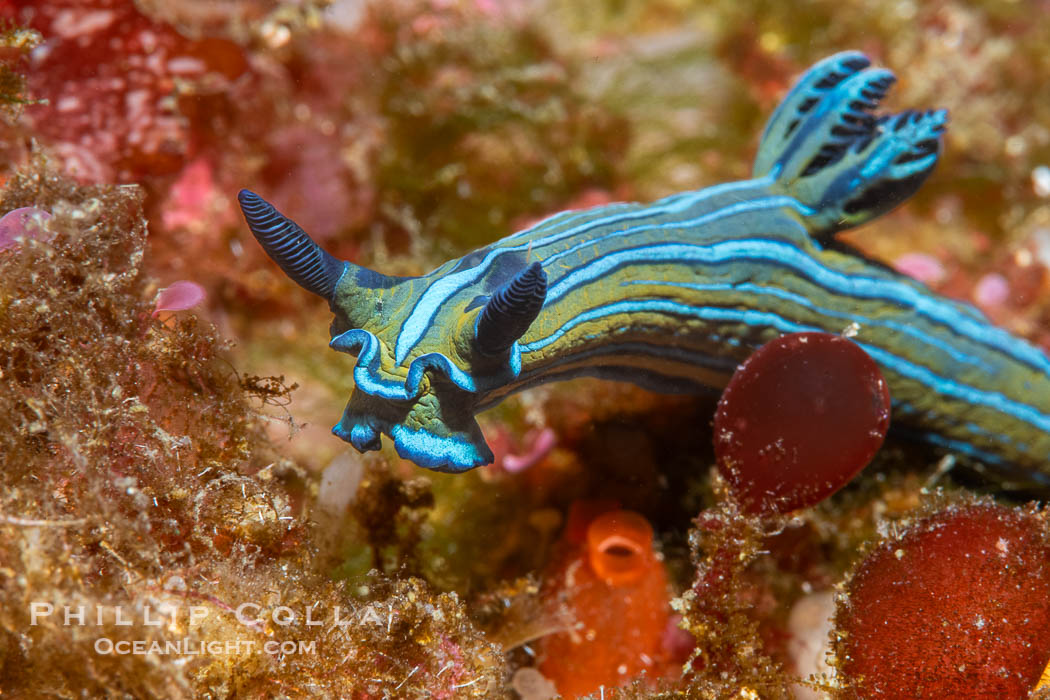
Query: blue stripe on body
784, 254
750, 288
671, 203
674, 383
441, 290
742, 208
948, 387
977, 454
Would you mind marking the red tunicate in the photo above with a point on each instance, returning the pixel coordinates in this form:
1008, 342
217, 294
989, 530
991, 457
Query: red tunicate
958, 606
799, 419
615, 586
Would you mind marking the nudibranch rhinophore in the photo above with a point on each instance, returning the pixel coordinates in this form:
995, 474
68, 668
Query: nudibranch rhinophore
673, 295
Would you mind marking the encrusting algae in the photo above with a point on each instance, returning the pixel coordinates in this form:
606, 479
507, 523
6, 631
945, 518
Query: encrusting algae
140, 501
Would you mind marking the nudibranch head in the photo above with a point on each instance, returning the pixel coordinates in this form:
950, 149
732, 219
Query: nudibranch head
419, 377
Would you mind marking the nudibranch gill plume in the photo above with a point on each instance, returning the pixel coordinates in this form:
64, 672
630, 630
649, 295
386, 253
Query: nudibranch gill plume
673, 295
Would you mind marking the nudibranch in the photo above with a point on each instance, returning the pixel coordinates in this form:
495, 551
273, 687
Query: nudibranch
673, 295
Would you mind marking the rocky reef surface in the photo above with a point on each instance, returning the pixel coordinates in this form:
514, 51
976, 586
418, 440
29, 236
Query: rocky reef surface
176, 519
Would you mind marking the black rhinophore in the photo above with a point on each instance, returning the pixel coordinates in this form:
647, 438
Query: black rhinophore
511, 310
299, 256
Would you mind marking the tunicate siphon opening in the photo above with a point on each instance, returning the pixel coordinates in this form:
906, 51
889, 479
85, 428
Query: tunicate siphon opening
620, 547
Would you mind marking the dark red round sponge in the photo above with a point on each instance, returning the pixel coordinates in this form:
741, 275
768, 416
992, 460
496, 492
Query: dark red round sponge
956, 607
798, 420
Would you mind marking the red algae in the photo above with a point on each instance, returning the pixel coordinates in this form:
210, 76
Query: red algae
959, 605
798, 420
616, 589
109, 80
726, 609
138, 479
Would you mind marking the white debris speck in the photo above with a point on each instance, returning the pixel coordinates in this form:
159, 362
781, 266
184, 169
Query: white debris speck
275, 34
186, 65
345, 15
175, 583
72, 23
530, 684
67, 103
1041, 180
339, 483
809, 627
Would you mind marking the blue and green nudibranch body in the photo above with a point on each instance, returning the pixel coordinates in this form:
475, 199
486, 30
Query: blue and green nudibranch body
673, 295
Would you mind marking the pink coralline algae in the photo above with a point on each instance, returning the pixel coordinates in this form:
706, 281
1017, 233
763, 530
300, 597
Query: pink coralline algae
112, 79
957, 606
992, 290
24, 222
539, 445
179, 296
194, 201
799, 419
516, 454
921, 266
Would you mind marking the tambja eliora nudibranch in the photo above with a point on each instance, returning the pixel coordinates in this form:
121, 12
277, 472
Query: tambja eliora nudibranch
673, 295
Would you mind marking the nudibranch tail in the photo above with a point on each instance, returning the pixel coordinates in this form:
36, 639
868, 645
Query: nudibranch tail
826, 147
511, 310
312, 267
